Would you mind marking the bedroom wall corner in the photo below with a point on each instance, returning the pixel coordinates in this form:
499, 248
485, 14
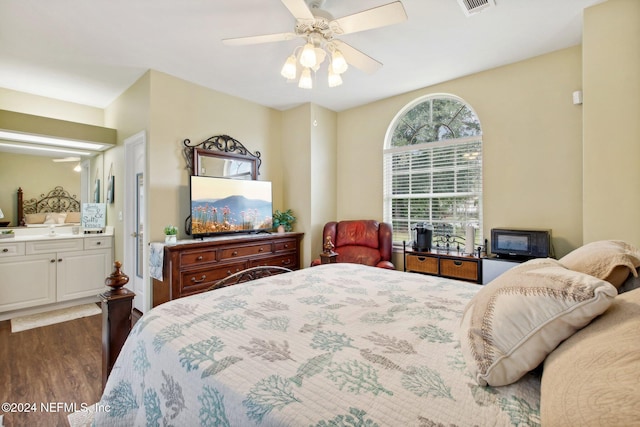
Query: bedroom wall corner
611, 52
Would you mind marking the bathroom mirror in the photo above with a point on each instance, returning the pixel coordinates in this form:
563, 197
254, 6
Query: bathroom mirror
221, 156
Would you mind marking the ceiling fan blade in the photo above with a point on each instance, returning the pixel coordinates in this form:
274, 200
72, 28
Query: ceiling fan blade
358, 59
266, 38
298, 9
381, 16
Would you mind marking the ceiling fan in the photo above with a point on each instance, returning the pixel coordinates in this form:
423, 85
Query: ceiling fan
320, 30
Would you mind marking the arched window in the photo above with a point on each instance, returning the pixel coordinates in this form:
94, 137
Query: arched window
433, 168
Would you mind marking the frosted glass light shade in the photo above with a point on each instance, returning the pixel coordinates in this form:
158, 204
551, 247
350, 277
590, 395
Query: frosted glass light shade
305, 79
308, 56
338, 63
289, 68
334, 78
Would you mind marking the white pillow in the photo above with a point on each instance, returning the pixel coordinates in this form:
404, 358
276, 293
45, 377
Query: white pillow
515, 321
55, 218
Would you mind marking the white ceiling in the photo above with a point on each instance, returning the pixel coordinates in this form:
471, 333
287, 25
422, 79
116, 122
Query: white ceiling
90, 51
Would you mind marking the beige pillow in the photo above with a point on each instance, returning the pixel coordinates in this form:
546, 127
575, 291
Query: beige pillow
510, 326
610, 260
55, 218
36, 218
72, 217
593, 378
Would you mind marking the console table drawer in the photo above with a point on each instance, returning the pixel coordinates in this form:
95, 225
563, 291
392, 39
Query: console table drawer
459, 269
200, 280
243, 251
197, 257
422, 264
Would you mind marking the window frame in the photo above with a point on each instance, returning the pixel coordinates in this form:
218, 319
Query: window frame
428, 147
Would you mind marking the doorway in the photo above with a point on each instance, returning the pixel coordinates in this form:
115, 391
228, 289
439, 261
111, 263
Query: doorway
135, 208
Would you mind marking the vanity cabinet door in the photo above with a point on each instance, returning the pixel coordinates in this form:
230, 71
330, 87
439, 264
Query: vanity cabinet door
82, 273
27, 281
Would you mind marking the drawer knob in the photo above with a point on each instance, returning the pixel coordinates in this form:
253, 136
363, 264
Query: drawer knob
194, 280
457, 263
199, 258
59, 259
261, 249
234, 253
98, 243
286, 246
286, 261
52, 261
5, 250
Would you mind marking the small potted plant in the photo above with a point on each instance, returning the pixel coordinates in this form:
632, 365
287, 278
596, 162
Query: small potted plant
283, 221
170, 233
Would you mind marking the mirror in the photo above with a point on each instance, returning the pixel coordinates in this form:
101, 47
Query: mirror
221, 156
211, 163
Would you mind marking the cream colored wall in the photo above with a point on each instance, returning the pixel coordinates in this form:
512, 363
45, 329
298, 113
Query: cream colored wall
532, 139
129, 113
296, 170
611, 49
46, 107
181, 110
36, 175
324, 145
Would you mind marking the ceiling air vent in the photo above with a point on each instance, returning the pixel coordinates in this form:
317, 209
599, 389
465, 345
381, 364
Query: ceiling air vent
470, 7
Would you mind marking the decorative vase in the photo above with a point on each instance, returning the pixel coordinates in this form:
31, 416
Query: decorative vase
169, 238
281, 229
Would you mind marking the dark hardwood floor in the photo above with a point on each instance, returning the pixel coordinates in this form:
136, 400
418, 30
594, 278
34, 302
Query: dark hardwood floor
50, 367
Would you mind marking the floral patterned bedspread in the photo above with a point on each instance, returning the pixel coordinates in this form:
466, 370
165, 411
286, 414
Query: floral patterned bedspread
333, 345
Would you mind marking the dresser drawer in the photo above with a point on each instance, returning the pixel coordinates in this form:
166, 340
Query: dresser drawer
189, 258
459, 269
8, 249
243, 251
199, 280
97, 242
422, 264
286, 245
288, 261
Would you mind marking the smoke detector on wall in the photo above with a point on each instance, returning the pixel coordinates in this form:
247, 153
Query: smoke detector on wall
471, 7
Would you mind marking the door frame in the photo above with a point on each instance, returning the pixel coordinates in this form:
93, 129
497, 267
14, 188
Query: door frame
141, 302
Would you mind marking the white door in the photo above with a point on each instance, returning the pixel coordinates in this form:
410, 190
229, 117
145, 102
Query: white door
135, 243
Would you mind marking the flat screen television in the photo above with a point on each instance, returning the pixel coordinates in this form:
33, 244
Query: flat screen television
224, 205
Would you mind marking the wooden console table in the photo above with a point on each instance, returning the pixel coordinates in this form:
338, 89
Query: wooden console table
191, 267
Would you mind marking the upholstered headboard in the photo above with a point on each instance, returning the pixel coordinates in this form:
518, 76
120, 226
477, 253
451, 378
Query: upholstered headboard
57, 200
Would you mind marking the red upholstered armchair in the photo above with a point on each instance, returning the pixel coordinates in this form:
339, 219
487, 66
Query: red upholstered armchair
366, 242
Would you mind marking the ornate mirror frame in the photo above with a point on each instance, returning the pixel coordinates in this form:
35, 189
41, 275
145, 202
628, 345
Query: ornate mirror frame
221, 147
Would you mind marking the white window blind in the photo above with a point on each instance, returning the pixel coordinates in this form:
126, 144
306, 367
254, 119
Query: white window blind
439, 183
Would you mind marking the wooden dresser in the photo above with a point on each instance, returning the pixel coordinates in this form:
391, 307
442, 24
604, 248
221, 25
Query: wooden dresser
194, 266
452, 265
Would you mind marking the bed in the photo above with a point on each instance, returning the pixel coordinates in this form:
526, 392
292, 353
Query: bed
350, 345
56, 207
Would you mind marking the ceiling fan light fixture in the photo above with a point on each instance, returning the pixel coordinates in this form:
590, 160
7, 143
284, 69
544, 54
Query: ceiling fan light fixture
289, 69
334, 78
338, 63
305, 79
308, 56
